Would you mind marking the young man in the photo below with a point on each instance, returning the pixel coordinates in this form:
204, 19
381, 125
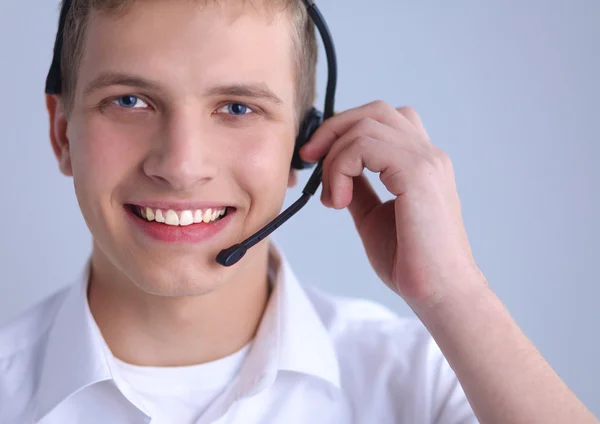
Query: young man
177, 122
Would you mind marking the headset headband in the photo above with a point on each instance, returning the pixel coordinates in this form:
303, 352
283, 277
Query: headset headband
54, 78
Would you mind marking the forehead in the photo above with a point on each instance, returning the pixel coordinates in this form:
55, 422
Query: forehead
192, 44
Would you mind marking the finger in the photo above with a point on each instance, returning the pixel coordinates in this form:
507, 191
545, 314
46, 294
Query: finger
334, 127
392, 163
413, 117
364, 199
364, 152
365, 127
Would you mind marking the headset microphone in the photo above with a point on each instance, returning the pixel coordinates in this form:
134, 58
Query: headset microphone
312, 121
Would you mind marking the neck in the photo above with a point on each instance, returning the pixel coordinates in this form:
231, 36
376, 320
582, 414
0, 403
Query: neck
146, 329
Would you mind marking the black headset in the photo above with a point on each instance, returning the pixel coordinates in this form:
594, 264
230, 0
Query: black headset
311, 122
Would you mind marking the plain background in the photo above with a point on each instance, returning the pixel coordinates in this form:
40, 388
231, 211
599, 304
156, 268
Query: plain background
509, 89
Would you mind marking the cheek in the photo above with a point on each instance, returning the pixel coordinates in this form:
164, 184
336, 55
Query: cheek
263, 169
101, 157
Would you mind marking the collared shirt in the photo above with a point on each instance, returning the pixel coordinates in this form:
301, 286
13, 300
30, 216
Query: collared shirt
315, 359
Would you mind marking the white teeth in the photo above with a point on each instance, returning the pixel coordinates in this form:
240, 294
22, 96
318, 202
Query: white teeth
171, 218
158, 217
186, 218
149, 214
181, 218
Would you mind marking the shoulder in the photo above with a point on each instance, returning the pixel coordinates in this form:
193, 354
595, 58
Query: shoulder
366, 323
23, 331
22, 345
388, 363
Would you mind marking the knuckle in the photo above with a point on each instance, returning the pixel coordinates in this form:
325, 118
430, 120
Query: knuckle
360, 130
425, 166
365, 124
410, 114
434, 162
327, 164
441, 158
337, 165
382, 106
407, 110
379, 103
362, 142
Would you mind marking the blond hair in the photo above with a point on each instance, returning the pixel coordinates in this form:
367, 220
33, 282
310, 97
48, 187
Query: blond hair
304, 45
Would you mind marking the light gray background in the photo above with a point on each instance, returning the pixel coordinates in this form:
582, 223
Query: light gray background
509, 89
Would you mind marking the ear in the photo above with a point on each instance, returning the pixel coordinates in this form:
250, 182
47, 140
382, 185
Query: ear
292, 178
58, 133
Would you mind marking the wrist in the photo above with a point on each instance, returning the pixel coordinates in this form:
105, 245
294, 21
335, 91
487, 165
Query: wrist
455, 293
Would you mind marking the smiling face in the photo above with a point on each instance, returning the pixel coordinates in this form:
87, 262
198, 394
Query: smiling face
178, 109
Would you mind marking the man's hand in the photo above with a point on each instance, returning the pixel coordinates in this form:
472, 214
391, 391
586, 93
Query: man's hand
418, 246
416, 243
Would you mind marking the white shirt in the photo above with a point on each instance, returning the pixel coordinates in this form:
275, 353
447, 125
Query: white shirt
178, 394
315, 359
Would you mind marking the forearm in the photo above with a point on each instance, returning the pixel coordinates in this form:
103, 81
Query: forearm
504, 377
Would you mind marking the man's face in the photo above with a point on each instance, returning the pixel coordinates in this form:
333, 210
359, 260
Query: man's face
181, 107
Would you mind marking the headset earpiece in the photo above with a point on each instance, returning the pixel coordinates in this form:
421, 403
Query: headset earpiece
312, 121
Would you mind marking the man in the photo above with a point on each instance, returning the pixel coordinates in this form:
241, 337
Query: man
177, 122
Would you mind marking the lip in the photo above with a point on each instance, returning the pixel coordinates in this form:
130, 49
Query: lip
190, 234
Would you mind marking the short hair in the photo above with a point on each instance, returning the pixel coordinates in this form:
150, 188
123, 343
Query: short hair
304, 45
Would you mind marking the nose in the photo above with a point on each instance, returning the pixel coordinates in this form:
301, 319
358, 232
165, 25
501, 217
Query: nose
182, 156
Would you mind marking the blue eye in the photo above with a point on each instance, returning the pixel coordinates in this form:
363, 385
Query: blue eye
129, 102
235, 109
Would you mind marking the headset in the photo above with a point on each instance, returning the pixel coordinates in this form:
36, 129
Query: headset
311, 122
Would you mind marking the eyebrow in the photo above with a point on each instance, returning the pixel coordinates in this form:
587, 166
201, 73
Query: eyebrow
251, 90
107, 79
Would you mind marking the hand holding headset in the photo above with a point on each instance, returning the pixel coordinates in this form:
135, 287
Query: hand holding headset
312, 120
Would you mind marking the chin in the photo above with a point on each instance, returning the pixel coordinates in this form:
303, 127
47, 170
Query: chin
176, 282
174, 275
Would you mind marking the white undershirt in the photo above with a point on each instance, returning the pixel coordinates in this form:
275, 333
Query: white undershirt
179, 394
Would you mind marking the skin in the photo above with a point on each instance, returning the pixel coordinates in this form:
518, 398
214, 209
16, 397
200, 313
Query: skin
175, 300
163, 305
418, 246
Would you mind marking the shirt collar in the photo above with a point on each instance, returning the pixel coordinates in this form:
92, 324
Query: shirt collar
291, 337
74, 357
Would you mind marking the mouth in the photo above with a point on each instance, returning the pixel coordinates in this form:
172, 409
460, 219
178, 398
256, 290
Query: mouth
179, 218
